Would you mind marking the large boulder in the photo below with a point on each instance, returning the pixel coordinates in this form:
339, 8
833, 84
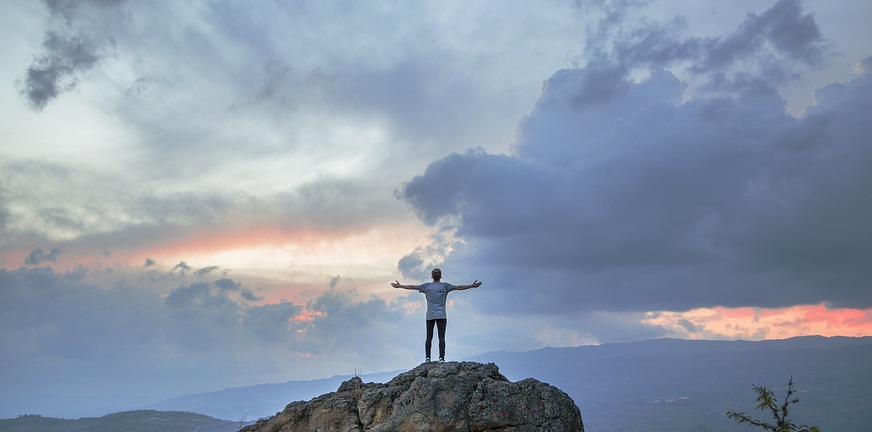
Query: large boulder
434, 397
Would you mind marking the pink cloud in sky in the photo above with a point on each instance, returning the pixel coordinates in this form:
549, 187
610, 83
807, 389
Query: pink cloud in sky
764, 323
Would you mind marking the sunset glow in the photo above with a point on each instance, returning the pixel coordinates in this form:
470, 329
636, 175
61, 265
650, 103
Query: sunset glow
761, 323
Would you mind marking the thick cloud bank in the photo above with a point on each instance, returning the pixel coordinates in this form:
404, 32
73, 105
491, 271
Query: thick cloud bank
57, 329
633, 189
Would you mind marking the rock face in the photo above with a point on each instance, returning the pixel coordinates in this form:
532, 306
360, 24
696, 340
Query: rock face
434, 397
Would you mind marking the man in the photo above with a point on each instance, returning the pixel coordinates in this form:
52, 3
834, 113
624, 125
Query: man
437, 294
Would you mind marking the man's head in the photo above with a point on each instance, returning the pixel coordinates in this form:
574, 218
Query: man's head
436, 274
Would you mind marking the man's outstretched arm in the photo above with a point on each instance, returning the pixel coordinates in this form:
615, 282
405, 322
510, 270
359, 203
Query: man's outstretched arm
475, 284
397, 284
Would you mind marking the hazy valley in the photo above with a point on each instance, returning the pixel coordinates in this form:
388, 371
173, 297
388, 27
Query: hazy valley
656, 385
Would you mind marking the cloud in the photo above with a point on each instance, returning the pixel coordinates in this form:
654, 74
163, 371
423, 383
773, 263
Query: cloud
205, 270
50, 317
38, 256
633, 194
300, 128
772, 48
273, 322
344, 324
403, 77
186, 295
4, 213
55, 70
67, 207
419, 263
182, 267
56, 328
226, 284
70, 47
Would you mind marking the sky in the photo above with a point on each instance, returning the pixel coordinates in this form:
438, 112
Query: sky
208, 194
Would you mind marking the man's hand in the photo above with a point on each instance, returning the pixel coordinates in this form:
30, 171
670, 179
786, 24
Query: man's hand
396, 284
475, 284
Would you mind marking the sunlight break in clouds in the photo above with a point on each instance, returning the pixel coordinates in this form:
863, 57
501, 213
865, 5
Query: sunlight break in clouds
763, 323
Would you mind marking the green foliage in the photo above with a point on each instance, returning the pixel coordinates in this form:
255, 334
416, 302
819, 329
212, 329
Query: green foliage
768, 401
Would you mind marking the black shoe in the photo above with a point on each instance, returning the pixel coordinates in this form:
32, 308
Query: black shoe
442, 359
427, 360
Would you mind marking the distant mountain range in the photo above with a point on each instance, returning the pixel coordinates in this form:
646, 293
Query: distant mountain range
141, 421
682, 385
259, 401
656, 385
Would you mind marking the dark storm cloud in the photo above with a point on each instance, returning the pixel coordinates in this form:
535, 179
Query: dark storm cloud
772, 46
68, 49
623, 195
55, 70
38, 256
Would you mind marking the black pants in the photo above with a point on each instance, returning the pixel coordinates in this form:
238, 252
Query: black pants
441, 324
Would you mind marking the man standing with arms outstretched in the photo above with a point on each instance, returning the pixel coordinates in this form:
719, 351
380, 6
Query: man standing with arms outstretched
437, 294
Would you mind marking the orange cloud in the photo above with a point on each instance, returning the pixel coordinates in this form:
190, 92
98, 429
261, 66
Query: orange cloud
297, 244
207, 241
764, 323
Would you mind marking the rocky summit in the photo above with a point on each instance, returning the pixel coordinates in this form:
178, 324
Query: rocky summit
433, 397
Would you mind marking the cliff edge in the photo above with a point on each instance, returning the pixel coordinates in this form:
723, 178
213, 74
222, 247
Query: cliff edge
434, 397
